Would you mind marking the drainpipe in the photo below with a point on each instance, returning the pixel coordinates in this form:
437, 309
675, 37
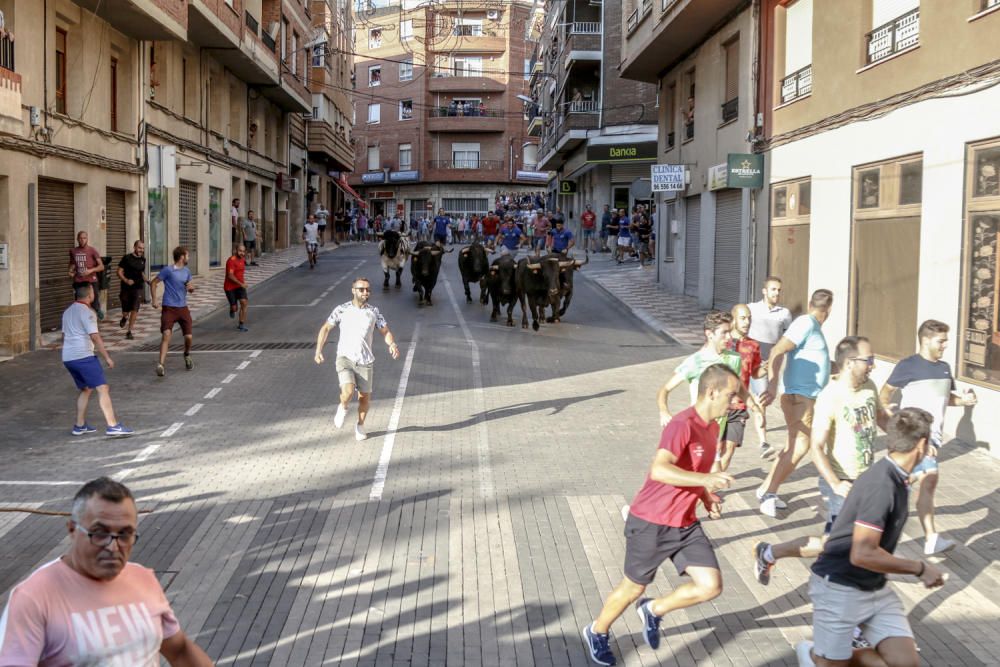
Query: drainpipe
755, 48
600, 94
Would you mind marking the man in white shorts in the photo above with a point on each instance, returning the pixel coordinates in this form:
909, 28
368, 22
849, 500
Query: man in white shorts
768, 324
355, 361
310, 235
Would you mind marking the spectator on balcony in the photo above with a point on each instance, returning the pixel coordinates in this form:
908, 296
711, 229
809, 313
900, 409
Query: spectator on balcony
482, 109
689, 112
453, 108
577, 95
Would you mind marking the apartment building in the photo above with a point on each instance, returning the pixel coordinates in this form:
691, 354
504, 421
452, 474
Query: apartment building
439, 122
139, 119
884, 176
701, 57
598, 131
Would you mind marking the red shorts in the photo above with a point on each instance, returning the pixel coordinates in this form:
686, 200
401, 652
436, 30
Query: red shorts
172, 315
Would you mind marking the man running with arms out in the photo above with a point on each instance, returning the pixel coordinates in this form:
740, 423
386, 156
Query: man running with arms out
235, 286
662, 523
769, 322
92, 606
846, 419
925, 381
310, 235
750, 368
561, 239
132, 275
80, 337
176, 281
355, 361
509, 237
807, 371
848, 582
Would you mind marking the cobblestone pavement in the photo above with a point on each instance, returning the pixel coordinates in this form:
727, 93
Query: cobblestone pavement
480, 524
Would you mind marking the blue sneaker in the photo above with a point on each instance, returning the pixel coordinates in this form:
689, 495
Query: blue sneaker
242, 328
598, 647
650, 623
118, 431
86, 428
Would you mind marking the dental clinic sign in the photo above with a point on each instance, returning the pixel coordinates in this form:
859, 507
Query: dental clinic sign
745, 170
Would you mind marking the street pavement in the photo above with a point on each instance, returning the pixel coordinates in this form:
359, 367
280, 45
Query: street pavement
480, 523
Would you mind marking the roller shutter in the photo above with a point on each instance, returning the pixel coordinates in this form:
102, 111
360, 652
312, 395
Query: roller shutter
728, 249
116, 248
628, 171
188, 222
692, 243
56, 229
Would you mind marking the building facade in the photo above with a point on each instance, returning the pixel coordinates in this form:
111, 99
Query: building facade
597, 131
439, 122
884, 178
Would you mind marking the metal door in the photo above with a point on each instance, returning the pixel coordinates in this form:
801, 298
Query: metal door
692, 244
728, 249
56, 229
115, 247
188, 222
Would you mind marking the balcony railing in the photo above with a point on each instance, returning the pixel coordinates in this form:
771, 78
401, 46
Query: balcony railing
990, 4
896, 35
466, 164
465, 112
252, 23
445, 71
633, 20
591, 27
7, 52
730, 110
689, 131
583, 106
797, 84
647, 7
670, 139
272, 45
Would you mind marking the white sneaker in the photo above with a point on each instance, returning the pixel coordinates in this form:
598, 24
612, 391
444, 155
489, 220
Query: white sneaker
778, 502
359, 433
625, 509
338, 419
803, 651
935, 545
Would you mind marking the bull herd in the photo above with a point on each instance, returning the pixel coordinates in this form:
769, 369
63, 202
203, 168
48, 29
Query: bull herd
537, 283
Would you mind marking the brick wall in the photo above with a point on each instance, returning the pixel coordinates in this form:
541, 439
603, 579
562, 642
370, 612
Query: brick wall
625, 101
175, 9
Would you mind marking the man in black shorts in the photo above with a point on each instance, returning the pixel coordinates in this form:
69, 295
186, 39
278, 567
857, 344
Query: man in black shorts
235, 286
662, 523
132, 274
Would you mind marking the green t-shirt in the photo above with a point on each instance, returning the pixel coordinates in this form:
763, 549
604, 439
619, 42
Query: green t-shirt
692, 367
850, 415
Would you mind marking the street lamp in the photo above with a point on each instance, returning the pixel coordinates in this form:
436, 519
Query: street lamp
525, 99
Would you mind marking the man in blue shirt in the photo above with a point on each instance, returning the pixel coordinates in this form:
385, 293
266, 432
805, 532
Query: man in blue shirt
441, 224
562, 238
605, 223
176, 281
509, 237
624, 241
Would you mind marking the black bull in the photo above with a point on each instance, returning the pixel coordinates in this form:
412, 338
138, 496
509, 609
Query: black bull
502, 284
474, 265
425, 264
545, 281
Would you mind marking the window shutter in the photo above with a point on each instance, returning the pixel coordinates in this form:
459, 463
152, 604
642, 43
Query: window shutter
798, 36
732, 70
884, 11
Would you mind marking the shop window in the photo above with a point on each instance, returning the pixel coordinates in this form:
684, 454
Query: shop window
789, 246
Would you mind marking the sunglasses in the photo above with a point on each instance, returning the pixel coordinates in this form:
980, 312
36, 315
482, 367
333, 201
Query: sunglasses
868, 360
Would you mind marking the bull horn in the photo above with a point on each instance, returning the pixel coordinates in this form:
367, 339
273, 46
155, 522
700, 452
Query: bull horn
452, 249
534, 267
585, 261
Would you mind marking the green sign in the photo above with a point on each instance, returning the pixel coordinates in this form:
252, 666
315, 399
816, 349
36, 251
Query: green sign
630, 152
567, 187
745, 170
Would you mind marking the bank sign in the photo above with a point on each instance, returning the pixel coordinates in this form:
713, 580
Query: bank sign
745, 170
633, 152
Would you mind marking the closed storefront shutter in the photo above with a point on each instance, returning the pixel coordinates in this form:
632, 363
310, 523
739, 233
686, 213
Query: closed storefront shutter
55, 238
188, 220
692, 243
728, 249
628, 171
115, 212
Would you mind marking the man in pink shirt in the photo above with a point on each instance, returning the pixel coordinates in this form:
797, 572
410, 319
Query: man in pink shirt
91, 606
84, 265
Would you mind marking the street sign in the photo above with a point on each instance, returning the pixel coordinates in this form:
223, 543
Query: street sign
667, 177
717, 177
567, 187
745, 170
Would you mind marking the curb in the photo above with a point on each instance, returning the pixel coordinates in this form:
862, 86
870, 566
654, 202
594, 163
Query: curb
639, 313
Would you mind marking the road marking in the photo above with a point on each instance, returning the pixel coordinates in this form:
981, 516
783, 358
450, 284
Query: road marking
314, 302
145, 454
483, 470
255, 354
30, 483
382, 470
213, 393
172, 429
229, 378
193, 410
243, 365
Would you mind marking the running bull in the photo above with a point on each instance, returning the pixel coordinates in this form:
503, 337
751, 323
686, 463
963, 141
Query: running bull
393, 250
502, 283
474, 265
542, 282
425, 264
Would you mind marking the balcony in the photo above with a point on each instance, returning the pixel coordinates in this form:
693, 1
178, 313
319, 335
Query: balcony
327, 145
639, 15
447, 80
138, 19
586, 28
689, 131
252, 24
581, 46
10, 86
730, 110
269, 42
535, 126
482, 43
483, 171
466, 164
897, 35
445, 119
248, 58
797, 84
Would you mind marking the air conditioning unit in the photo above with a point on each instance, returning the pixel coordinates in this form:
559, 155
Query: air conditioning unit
493, 14
293, 184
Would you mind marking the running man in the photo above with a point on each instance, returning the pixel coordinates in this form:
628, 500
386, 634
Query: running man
80, 337
355, 361
750, 367
132, 275
539, 231
769, 322
662, 523
84, 265
846, 420
925, 381
624, 241
561, 239
510, 237
442, 223
807, 372
848, 581
235, 286
176, 281
310, 233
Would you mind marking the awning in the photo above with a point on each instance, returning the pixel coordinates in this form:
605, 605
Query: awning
348, 190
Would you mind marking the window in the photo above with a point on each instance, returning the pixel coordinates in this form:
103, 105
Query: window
295, 53
374, 38
374, 113
465, 207
671, 104
406, 110
796, 77
375, 76
527, 68
315, 113
184, 86
688, 111
406, 29
468, 66
885, 255
465, 155
406, 70
373, 159
895, 27
114, 95
468, 28
60, 70
405, 157
319, 55
789, 252
731, 95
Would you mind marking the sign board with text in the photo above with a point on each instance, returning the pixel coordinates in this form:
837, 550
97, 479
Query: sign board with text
745, 170
629, 152
667, 177
567, 187
717, 177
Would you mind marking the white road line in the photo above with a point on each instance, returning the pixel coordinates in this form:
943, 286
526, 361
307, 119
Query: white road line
483, 470
255, 354
172, 429
229, 378
243, 365
382, 470
31, 483
193, 410
315, 302
145, 454
213, 393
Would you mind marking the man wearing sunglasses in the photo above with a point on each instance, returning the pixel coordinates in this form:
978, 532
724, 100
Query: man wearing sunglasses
92, 606
355, 361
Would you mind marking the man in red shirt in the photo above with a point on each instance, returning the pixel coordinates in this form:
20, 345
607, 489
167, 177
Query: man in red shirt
491, 223
235, 285
662, 523
589, 223
751, 366
84, 265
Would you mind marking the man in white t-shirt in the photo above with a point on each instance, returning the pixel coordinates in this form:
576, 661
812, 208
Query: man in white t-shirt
234, 216
355, 360
310, 235
768, 324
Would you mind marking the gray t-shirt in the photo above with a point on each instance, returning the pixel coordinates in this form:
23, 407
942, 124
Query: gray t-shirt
78, 322
249, 229
768, 325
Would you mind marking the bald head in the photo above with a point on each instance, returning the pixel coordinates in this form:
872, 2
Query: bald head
741, 320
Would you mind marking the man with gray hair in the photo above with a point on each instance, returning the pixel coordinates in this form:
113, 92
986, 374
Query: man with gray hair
92, 606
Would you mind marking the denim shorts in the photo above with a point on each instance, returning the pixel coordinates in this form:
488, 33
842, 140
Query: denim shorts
87, 372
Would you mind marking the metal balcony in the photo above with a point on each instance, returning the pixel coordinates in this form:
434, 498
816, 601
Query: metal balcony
798, 84
467, 164
584, 106
689, 131
252, 24
896, 35
730, 110
591, 27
